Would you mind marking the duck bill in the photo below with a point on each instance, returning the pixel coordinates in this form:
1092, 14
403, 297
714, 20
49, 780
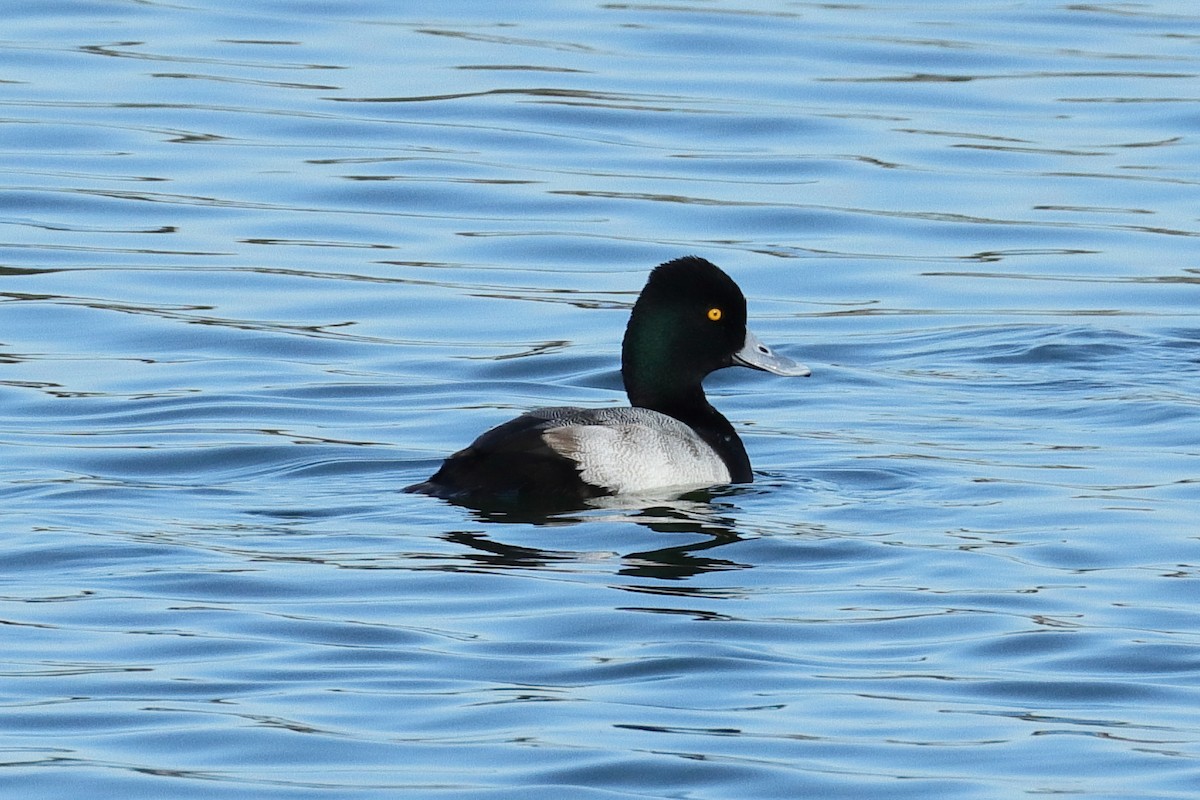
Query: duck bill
756, 355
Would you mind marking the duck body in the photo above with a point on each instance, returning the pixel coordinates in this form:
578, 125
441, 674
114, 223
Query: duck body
568, 454
689, 320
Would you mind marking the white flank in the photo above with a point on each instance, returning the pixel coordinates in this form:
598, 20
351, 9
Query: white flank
636, 451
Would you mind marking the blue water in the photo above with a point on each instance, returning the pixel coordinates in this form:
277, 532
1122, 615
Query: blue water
264, 263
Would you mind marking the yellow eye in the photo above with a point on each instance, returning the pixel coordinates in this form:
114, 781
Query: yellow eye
715, 314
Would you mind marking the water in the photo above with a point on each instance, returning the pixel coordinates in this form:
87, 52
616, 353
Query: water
265, 263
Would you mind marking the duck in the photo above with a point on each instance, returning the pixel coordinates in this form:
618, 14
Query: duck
688, 321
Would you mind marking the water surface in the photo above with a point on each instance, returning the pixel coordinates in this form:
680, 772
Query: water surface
263, 264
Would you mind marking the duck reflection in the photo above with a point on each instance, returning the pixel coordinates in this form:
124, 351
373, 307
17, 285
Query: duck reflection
708, 525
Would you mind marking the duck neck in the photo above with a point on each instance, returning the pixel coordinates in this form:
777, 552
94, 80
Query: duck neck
693, 409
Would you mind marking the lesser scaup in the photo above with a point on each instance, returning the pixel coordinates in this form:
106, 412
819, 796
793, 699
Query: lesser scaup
689, 320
